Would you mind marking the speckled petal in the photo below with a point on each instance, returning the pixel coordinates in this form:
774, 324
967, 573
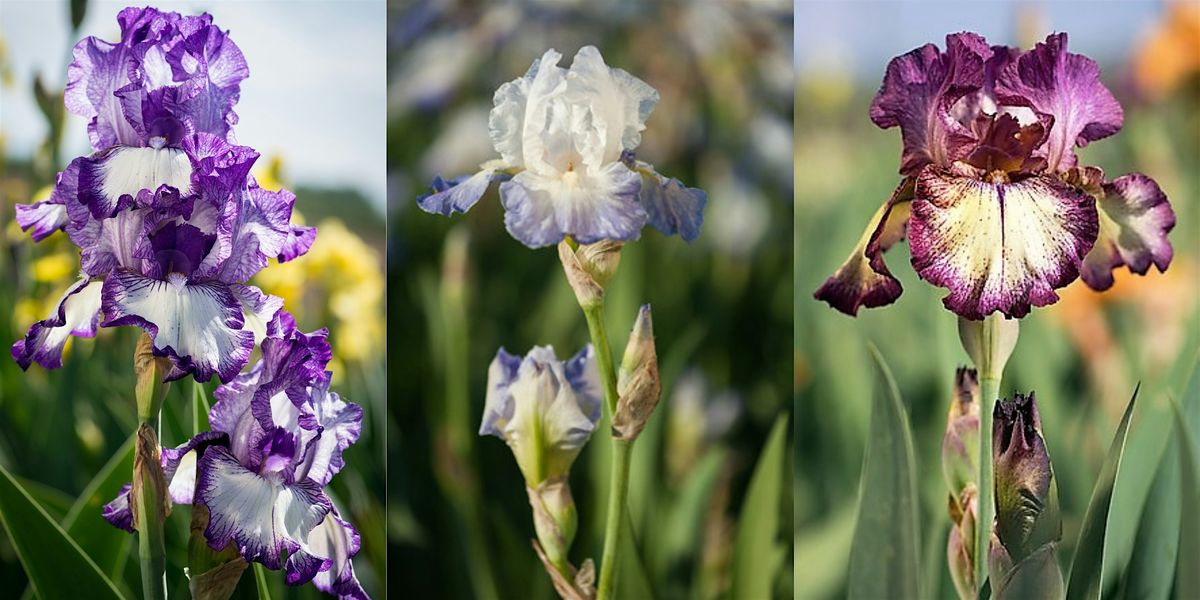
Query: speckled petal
539, 211
671, 207
336, 540
1135, 218
998, 246
44, 218
77, 315
864, 278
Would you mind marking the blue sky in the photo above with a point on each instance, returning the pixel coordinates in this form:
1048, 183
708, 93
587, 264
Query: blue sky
316, 94
860, 36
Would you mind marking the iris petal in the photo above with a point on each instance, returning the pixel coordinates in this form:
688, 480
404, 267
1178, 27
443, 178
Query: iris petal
864, 278
999, 246
539, 211
1135, 218
77, 314
458, 195
44, 218
338, 541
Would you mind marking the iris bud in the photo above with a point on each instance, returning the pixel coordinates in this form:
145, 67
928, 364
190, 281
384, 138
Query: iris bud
554, 518
960, 548
589, 268
638, 383
960, 444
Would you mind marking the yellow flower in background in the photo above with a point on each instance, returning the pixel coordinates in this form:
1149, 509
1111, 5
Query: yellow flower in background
54, 267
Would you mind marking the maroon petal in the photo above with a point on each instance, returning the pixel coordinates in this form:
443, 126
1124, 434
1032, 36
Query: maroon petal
1135, 218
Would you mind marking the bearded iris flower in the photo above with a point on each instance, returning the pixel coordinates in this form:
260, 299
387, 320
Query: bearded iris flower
169, 223
994, 202
277, 439
566, 139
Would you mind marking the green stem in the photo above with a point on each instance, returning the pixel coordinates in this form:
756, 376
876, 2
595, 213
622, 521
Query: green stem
621, 454
149, 504
991, 368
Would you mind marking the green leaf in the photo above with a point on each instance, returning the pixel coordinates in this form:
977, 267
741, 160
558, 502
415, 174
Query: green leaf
200, 408
85, 525
260, 581
1087, 568
1187, 577
885, 554
1152, 562
55, 564
758, 552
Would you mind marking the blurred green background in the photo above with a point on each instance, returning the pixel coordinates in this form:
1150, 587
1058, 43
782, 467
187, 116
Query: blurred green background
1083, 356
458, 289
60, 429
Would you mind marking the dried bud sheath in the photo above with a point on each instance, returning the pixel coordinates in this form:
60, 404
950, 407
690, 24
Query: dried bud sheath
638, 382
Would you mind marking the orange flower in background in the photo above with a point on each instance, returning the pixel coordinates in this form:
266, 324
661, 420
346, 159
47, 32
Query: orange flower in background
1170, 54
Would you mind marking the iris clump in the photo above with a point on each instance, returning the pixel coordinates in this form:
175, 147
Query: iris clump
997, 207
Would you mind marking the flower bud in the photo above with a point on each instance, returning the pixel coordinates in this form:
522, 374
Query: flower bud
960, 444
589, 268
1026, 498
960, 548
989, 343
1037, 576
554, 518
638, 383
545, 409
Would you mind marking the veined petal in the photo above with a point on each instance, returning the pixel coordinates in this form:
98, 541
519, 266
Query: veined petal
1066, 86
918, 92
78, 314
339, 424
300, 238
259, 311
259, 230
211, 68
111, 180
117, 512
671, 207
548, 83
999, 246
198, 325
583, 375
864, 278
498, 406
458, 195
179, 471
337, 541
506, 121
539, 210
1135, 218
264, 518
44, 218
619, 103
220, 168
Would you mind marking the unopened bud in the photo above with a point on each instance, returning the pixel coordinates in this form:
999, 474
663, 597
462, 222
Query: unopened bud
960, 444
638, 383
148, 498
554, 518
960, 548
1027, 515
589, 268
1037, 576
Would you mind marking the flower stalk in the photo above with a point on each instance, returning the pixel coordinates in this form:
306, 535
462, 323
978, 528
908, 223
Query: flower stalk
148, 496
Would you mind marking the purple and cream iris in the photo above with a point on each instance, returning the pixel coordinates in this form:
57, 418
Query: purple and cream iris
566, 139
169, 223
277, 439
997, 208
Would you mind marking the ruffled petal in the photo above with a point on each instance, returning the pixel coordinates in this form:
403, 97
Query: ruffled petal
619, 103
1135, 218
864, 278
220, 168
77, 315
44, 218
671, 207
339, 424
179, 471
337, 541
117, 512
1066, 86
919, 90
259, 311
506, 121
231, 414
458, 195
199, 326
539, 211
110, 180
999, 246
212, 68
264, 518
300, 238
259, 230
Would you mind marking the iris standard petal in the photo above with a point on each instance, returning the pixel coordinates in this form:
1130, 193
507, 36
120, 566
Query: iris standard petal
44, 218
864, 278
583, 375
259, 311
1066, 86
498, 408
258, 228
619, 103
339, 423
1135, 218
998, 246
77, 314
198, 325
920, 88
590, 207
265, 518
211, 67
458, 195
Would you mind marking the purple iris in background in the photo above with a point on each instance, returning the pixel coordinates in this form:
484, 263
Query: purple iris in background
566, 139
169, 222
997, 208
277, 439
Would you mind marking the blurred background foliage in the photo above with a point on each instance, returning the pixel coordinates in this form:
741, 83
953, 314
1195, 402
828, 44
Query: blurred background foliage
459, 289
1083, 356
60, 429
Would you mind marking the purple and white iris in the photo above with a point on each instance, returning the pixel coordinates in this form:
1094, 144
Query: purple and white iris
277, 439
566, 139
169, 222
997, 208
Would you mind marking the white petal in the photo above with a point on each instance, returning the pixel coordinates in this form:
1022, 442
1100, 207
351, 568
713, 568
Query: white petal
129, 170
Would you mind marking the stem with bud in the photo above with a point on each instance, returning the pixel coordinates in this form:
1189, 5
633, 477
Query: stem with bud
148, 495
